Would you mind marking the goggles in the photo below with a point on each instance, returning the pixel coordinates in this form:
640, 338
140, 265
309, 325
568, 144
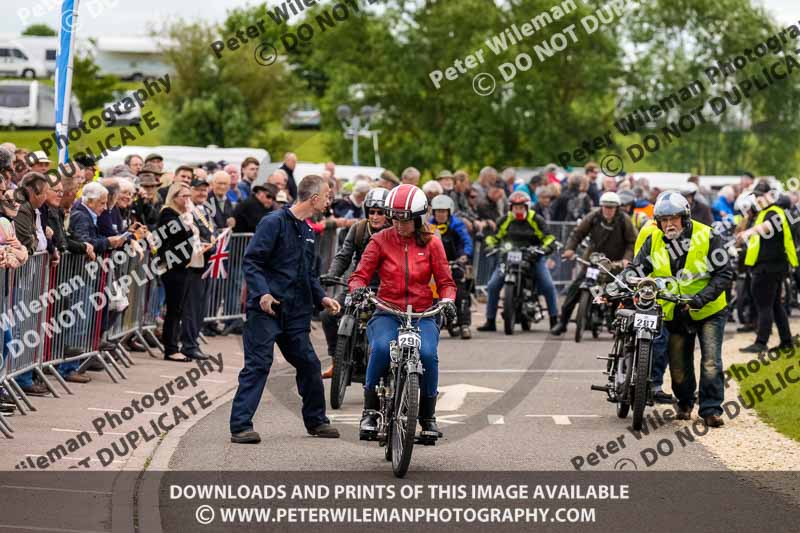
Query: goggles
402, 215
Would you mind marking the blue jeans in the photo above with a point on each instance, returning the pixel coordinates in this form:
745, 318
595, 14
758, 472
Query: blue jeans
544, 284
26, 378
381, 330
660, 357
681, 365
291, 333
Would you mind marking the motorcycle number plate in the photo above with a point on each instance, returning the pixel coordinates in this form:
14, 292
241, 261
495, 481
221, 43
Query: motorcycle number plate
348, 300
592, 273
408, 340
645, 321
514, 256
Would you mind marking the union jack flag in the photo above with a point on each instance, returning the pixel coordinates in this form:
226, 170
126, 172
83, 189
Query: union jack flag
216, 263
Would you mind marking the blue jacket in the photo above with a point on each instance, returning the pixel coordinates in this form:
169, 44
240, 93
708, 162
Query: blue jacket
83, 228
244, 189
722, 209
281, 260
458, 242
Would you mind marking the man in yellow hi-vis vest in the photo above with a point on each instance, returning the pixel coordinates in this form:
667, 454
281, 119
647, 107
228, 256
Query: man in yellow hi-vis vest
689, 252
770, 254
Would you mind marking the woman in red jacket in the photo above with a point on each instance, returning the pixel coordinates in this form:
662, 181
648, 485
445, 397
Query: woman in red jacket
405, 257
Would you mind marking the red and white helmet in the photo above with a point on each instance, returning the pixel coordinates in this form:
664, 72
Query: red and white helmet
406, 202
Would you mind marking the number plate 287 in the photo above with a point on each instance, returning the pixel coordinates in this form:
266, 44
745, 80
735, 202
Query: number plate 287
645, 321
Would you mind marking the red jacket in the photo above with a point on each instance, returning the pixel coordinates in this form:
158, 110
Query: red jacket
405, 270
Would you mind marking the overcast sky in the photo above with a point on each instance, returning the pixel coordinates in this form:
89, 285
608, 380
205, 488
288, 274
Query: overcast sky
129, 17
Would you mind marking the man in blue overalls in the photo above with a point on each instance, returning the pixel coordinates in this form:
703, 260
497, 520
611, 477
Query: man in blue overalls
282, 290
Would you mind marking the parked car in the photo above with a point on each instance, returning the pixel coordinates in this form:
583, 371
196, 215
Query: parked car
16, 63
304, 115
125, 109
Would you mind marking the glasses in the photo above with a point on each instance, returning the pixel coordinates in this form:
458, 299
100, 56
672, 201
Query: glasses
377, 212
8, 201
59, 192
270, 197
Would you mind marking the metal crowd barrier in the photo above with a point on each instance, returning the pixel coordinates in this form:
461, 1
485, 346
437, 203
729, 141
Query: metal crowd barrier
224, 294
562, 272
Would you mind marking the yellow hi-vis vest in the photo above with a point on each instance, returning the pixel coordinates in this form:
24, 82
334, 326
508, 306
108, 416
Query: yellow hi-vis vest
754, 244
645, 232
694, 276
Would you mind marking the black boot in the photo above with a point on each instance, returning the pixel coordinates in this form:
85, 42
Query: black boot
427, 418
559, 328
488, 326
553, 321
368, 428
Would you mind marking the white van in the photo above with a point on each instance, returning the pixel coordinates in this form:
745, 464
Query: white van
31, 104
16, 63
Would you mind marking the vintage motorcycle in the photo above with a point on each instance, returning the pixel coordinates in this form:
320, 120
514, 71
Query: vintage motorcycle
636, 324
352, 348
521, 302
399, 390
591, 314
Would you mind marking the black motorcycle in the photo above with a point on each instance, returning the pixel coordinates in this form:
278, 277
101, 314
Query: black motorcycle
352, 349
399, 390
521, 302
591, 314
636, 325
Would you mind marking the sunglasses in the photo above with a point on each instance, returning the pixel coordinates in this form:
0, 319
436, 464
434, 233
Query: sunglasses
376, 212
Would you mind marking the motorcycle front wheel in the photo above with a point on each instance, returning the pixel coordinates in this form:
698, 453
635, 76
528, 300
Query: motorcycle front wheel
509, 309
644, 350
584, 308
405, 423
342, 363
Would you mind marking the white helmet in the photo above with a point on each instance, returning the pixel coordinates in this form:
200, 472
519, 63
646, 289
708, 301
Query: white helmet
610, 199
688, 188
671, 203
406, 202
376, 198
443, 201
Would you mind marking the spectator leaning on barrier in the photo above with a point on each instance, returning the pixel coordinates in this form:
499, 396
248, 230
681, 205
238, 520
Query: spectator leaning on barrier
250, 212
221, 206
84, 216
30, 225
12, 255
175, 253
55, 221
196, 288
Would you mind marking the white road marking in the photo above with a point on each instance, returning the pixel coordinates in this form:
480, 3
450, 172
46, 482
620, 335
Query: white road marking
496, 420
562, 420
140, 393
209, 380
60, 430
517, 371
454, 395
100, 409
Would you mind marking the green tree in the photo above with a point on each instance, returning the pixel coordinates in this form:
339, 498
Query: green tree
41, 30
227, 101
92, 90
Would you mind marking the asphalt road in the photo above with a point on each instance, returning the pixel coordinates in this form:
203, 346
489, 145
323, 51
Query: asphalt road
518, 402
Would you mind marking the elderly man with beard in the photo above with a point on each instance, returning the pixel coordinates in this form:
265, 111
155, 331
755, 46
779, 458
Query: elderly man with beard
689, 252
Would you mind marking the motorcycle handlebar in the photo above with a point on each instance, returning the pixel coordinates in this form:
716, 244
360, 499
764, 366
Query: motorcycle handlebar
391, 309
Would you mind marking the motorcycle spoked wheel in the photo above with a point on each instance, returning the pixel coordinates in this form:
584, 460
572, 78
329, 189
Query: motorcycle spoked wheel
509, 309
404, 425
342, 366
